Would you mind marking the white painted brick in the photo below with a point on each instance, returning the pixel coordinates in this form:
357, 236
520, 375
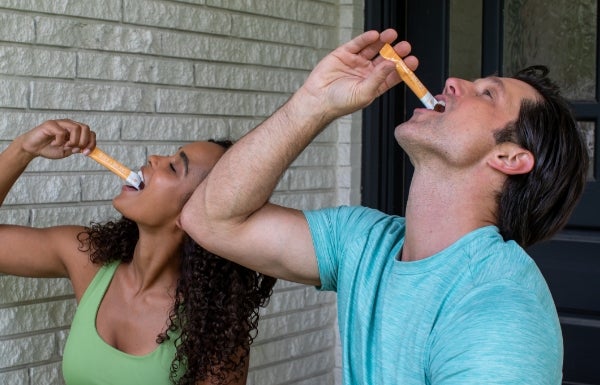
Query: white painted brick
232, 76
61, 340
27, 350
178, 16
104, 187
14, 377
73, 215
16, 27
312, 178
318, 13
36, 317
344, 177
282, 285
13, 93
284, 9
279, 325
93, 35
217, 102
50, 374
98, 9
344, 197
236, 51
74, 162
287, 371
240, 126
178, 128
347, 34
163, 149
314, 297
329, 135
13, 124
344, 129
28, 61
283, 184
350, 17
15, 217
306, 200
91, 96
149, 77
292, 347
103, 66
325, 379
16, 289
44, 189
343, 154
317, 155
286, 301
281, 31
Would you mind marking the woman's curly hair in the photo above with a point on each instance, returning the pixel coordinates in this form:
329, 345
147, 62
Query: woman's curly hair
216, 307
214, 318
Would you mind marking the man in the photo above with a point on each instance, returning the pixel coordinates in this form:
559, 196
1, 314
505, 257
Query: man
439, 297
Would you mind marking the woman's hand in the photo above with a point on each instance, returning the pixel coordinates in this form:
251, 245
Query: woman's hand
57, 139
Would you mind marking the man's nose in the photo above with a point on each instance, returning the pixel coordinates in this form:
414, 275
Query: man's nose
455, 86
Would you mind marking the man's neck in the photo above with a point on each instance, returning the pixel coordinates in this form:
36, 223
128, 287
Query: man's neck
444, 206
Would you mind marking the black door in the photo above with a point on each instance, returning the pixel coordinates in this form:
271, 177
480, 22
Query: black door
474, 38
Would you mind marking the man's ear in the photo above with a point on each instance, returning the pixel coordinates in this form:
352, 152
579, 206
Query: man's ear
511, 159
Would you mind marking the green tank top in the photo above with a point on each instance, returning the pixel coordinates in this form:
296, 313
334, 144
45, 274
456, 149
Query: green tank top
88, 360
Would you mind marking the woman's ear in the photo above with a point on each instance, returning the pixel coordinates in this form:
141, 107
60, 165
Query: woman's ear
511, 159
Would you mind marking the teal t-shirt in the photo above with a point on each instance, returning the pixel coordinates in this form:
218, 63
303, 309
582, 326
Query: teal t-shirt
478, 312
88, 360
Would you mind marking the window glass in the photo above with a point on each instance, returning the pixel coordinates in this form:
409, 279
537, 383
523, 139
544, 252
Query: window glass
464, 55
560, 34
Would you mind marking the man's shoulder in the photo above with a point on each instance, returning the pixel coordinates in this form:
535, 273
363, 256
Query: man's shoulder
355, 214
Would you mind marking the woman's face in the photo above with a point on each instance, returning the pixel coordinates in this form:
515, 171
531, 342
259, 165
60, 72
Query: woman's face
169, 181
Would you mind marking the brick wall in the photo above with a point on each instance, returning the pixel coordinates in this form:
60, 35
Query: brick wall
148, 76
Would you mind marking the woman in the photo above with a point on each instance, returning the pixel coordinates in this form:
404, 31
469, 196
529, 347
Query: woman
153, 307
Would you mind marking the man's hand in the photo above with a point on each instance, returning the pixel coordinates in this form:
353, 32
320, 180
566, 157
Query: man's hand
352, 76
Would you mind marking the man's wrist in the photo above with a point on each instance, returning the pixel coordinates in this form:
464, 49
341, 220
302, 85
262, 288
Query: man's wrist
306, 109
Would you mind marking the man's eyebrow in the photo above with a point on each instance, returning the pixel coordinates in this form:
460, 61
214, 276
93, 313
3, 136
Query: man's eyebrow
496, 80
186, 161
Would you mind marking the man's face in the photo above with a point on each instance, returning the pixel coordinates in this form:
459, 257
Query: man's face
464, 133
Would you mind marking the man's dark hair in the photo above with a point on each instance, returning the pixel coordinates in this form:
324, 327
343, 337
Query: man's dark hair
534, 206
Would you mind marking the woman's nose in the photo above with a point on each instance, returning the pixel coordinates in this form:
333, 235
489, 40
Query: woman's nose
153, 160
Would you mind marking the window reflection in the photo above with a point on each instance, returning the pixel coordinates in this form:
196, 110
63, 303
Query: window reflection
555, 33
588, 130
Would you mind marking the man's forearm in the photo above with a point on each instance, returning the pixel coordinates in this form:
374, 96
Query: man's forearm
245, 177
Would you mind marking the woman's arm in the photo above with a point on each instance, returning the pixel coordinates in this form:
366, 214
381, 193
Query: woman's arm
28, 251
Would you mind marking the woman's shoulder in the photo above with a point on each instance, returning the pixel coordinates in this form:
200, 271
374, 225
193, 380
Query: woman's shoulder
76, 256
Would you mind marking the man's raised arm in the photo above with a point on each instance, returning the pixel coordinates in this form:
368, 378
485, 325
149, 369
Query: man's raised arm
229, 213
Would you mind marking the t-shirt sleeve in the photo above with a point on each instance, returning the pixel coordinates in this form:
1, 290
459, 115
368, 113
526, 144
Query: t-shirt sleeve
498, 334
334, 231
